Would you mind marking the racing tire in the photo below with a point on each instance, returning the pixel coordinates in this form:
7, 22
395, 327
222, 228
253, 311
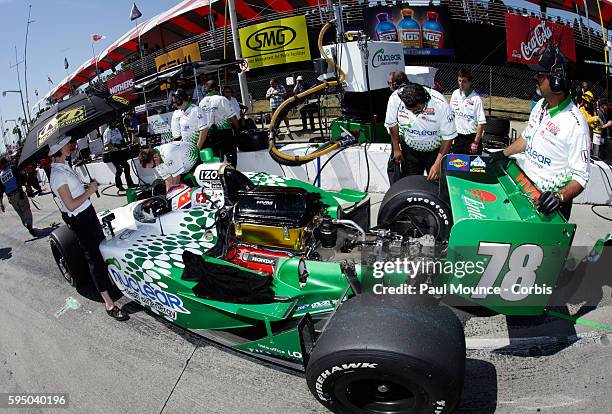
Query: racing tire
65, 249
497, 126
416, 197
253, 140
388, 354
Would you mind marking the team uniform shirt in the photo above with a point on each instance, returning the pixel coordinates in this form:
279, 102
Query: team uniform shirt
235, 106
468, 111
112, 136
187, 124
8, 180
426, 131
177, 158
62, 174
217, 110
558, 147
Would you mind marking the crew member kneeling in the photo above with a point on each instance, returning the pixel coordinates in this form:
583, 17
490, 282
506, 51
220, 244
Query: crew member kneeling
170, 160
556, 141
79, 214
422, 118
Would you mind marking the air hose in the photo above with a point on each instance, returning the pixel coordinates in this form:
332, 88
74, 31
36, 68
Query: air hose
287, 105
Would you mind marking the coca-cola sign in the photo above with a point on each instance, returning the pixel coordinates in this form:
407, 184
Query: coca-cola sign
528, 37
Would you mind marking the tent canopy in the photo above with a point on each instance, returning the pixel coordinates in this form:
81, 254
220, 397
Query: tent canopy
570, 5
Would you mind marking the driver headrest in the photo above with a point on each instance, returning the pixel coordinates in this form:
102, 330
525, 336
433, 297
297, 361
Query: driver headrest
233, 181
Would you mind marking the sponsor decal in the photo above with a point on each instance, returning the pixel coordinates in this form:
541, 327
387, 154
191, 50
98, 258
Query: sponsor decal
62, 119
120, 99
275, 42
429, 111
538, 157
200, 198
552, 128
339, 368
265, 202
477, 165
122, 85
527, 186
274, 351
185, 54
474, 207
482, 195
148, 294
380, 58
459, 162
536, 43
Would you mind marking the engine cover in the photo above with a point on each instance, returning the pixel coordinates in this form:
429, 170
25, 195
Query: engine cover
275, 216
257, 259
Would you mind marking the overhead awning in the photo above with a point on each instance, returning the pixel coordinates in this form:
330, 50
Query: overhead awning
182, 21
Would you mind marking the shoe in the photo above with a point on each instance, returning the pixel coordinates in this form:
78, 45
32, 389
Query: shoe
120, 188
117, 314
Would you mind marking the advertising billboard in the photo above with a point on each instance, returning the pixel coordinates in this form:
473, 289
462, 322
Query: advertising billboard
122, 85
185, 54
528, 37
275, 42
423, 31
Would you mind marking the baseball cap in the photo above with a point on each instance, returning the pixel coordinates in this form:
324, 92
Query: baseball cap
549, 61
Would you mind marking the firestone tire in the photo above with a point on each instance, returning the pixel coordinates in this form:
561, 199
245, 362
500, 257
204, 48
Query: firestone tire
416, 198
389, 355
65, 249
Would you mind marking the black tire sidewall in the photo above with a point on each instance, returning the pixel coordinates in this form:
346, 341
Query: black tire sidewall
428, 382
391, 207
66, 242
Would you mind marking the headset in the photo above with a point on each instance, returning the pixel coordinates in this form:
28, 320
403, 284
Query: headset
558, 76
179, 96
413, 94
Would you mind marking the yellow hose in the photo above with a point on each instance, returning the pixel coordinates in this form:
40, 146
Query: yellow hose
294, 100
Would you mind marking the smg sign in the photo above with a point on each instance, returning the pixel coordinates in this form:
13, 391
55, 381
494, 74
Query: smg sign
276, 42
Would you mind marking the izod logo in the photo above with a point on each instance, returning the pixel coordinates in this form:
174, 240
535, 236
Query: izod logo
271, 38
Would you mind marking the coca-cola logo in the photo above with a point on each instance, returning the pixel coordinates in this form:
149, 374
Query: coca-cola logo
536, 44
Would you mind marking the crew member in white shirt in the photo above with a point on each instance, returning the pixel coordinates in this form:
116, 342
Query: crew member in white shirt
422, 129
171, 161
219, 118
187, 121
469, 114
556, 142
112, 142
72, 196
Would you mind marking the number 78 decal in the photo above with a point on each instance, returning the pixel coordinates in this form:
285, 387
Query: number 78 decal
522, 266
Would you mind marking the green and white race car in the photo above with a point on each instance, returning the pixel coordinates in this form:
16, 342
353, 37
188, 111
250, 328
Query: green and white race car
287, 272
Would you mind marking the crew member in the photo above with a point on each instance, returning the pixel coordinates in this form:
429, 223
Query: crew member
11, 184
277, 94
171, 160
469, 116
113, 141
200, 90
422, 128
187, 121
588, 110
219, 117
556, 141
72, 197
307, 110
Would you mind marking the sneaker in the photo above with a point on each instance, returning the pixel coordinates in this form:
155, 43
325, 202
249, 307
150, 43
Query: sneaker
117, 314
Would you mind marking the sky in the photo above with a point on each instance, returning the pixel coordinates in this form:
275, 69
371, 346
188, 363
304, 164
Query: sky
62, 29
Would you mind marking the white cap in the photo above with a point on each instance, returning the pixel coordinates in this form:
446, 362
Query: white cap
54, 149
300, 78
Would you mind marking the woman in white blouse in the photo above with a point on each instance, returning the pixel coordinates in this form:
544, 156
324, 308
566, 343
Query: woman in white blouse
79, 214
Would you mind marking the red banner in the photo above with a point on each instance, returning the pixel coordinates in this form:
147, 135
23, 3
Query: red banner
528, 37
122, 85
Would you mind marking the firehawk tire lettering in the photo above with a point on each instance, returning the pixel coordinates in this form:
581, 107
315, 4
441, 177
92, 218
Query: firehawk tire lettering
350, 366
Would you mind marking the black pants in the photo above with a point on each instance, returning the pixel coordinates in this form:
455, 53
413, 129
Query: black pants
415, 163
120, 167
566, 210
223, 144
308, 111
461, 144
89, 234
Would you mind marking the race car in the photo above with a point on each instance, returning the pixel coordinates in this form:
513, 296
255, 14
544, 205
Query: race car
287, 272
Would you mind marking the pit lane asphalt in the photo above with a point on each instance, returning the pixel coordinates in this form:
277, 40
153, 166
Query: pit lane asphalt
146, 365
